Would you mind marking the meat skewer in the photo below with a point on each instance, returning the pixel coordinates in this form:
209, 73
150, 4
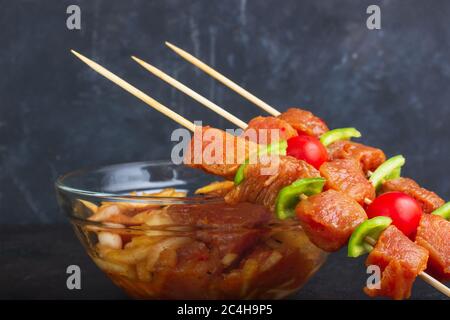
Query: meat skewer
174, 116
367, 200
358, 186
301, 120
325, 171
369, 157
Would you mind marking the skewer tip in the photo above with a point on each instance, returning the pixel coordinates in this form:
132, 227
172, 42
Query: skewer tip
146, 65
171, 46
136, 59
79, 56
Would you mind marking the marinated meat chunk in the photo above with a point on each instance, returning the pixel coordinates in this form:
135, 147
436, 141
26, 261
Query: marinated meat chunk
221, 158
428, 200
433, 234
221, 226
346, 175
192, 261
263, 187
304, 121
369, 157
400, 261
219, 215
329, 218
285, 130
231, 245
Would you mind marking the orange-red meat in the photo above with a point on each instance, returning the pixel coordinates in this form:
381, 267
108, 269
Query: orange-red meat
400, 261
217, 152
270, 124
220, 215
433, 234
346, 175
304, 121
369, 157
329, 218
262, 187
428, 200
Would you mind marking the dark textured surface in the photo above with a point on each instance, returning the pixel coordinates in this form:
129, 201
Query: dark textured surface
34, 262
57, 115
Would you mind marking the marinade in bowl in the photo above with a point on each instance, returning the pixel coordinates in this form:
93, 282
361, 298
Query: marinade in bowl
142, 224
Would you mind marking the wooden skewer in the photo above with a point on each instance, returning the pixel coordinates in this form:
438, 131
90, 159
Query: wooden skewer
230, 84
136, 92
194, 95
435, 283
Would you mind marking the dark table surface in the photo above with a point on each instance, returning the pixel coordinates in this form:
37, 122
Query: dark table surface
33, 262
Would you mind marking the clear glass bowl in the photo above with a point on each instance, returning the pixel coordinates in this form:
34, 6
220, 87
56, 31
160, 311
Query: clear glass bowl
177, 245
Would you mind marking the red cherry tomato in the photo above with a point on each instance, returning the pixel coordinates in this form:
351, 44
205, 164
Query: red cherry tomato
404, 211
307, 148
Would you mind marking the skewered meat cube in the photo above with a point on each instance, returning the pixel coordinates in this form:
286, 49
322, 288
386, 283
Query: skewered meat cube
261, 188
346, 175
223, 161
400, 261
304, 121
285, 132
433, 234
369, 157
329, 218
428, 200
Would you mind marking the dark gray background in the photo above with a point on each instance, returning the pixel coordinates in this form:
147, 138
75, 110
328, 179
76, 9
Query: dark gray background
58, 115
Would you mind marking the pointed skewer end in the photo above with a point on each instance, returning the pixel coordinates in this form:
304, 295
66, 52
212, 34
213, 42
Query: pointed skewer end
172, 46
141, 62
136, 59
80, 56
146, 65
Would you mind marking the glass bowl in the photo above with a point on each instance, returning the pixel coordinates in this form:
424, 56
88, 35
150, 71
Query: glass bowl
177, 245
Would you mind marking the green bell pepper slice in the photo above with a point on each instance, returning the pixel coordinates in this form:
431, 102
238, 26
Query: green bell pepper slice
357, 245
339, 134
390, 169
289, 196
239, 177
278, 147
443, 211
